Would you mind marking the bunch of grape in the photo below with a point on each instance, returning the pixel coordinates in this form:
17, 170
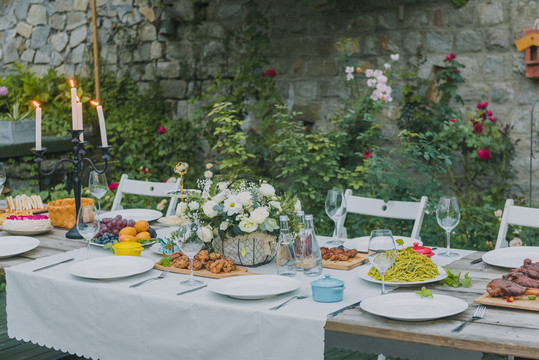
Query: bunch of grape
111, 227
105, 239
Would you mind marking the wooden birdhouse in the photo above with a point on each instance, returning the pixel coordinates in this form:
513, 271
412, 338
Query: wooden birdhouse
530, 43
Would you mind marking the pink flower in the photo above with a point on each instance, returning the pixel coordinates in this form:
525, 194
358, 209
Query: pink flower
349, 69
515, 242
307, 129
113, 186
271, 73
450, 57
251, 130
3, 91
162, 130
484, 154
492, 118
349, 77
369, 73
485, 104
479, 106
263, 74
371, 82
145, 170
453, 120
478, 127
165, 180
366, 155
489, 113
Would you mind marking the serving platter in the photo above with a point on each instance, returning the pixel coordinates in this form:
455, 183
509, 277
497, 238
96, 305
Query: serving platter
111, 267
27, 232
349, 264
363, 273
254, 287
134, 214
520, 302
240, 271
511, 257
362, 243
15, 245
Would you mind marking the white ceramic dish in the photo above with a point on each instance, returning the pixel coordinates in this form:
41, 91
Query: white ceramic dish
362, 243
511, 257
254, 287
111, 267
134, 214
27, 232
143, 245
15, 245
364, 270
412, 307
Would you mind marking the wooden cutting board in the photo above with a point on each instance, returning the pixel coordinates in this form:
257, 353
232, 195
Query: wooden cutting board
240, 271
349, 264
521, 302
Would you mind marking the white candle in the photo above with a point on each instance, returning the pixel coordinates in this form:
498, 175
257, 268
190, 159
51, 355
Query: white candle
79, 120
38, 125
73, 105
102, 128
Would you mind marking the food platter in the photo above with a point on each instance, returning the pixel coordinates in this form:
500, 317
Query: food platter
254, 287
15, 245
362, 243
111, 267
511, 257
364, 274
170, 221
240, 270
412, 307
27, 232
134, 214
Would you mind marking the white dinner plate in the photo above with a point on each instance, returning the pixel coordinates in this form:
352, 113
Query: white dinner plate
134, 214
412, 307
254, 287
362, 243
27, 232
111, 267
511, 257
364, 274
15, 245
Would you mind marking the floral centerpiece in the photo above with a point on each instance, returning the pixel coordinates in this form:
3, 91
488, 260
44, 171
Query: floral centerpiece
239, 219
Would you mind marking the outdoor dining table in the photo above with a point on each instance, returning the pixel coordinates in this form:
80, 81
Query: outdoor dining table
109, 320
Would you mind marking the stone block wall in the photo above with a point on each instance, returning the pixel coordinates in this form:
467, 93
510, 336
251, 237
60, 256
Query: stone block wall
184, 43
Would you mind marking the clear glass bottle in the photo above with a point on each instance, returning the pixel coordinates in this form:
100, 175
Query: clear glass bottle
286, 260
299, 239
312, 257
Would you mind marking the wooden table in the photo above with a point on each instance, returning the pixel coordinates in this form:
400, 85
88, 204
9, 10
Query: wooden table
501, 331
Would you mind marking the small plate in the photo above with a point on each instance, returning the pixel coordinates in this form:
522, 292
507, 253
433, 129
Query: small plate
412, 307
254, 287
27, 232
134, 214
364, 274
15, 245
362, 243
511, 257
111, 267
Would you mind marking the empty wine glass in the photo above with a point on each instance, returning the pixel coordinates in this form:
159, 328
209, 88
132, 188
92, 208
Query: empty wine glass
448, 216
3, 177
382, 252
189, 239
97, 183
335, 209
88, 224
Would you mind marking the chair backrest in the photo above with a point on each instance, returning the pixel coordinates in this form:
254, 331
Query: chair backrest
405, 210
145, 188
515, 215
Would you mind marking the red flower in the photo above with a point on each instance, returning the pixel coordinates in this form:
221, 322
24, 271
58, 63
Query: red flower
479, 106
263, 74
450, 57
366, 155
251, 130
271, 73
145, 170
113, 186
492, 118
307, 129
453, 120
161, 130
489, 113
478, 127
484, 154
165, 180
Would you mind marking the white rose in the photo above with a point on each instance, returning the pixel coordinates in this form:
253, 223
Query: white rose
219, 198
209, 165
394, 57
297, 206
224, 225
222, 185
208, 209
171, 179
205, 233
208, 174
259, 215
244, 198
181, 209
515, 242
267, 190
248, 226
276, 205
498, 213
193, 205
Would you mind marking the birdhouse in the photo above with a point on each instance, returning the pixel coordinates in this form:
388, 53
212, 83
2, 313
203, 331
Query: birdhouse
530, 43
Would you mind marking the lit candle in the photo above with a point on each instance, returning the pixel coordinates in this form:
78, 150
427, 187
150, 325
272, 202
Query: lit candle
102, 128
79, 120
73, 104
38, 125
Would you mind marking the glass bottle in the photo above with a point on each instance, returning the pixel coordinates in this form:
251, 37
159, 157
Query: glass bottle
312, 257
299, 239
286, 260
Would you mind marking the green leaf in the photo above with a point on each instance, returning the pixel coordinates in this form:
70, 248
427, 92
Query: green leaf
424, 292
399, 242
243, 252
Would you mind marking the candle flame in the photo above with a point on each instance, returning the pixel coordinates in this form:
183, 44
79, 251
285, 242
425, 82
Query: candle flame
36, 104
94, 103
78, 99
72, 83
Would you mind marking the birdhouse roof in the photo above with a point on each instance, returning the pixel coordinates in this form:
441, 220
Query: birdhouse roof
531, 39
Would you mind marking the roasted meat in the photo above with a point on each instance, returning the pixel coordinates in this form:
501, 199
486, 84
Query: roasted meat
505, 288
335, 254
530, 268
521, 279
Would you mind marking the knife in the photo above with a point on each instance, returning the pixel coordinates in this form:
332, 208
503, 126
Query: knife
335, 313
191, 290
52, 265
478, 260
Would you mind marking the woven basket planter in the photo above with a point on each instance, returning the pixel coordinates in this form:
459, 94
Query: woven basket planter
252, 249
62, 212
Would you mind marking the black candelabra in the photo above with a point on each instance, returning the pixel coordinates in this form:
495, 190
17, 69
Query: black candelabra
79, 151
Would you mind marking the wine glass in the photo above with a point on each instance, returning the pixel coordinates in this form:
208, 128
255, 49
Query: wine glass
88, 224
3, 177
448, 216
382, 252
189, 240
97, 183
336, 210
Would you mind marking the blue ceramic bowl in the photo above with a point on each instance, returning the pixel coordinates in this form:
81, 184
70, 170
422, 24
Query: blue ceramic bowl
327, 290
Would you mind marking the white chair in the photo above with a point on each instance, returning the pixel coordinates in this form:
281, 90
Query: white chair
405, 210
515, 215
145, 188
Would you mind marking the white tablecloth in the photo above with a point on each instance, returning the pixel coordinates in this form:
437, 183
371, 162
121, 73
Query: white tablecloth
109, 320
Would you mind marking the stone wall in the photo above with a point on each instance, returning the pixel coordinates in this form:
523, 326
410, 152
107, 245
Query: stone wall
185, 42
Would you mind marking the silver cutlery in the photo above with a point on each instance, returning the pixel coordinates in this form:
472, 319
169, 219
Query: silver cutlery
478, 260
337, 312
191, 290
162, 275
54, 264
479, 313
299, 297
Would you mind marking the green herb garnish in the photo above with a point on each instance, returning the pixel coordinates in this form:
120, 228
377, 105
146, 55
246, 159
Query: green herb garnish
424, 292
399, 242
453, 279
532, 297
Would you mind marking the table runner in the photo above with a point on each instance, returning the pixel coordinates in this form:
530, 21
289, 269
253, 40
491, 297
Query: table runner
109, 320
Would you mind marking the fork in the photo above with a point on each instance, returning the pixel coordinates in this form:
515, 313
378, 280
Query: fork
299, 297
479, 312
162, 275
